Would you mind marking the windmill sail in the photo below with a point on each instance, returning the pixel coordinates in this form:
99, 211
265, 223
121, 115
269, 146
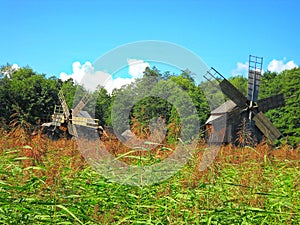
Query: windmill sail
254, 74
253, 85
227, 88
76, 111
63, 104
81, 104
233, 93
266, 127
72, 129
272, 102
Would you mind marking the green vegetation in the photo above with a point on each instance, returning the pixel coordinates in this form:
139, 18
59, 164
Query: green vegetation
287, 118
48, 182
30, 97
44, 182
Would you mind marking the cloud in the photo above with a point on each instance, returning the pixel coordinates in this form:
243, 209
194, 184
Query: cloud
15, 67
86, 75
117, 83
136, 67
78, 71
279, 65
93, 79
241, 69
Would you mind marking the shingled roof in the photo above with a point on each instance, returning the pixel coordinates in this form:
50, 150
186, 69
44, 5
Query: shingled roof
221, 110
225, 107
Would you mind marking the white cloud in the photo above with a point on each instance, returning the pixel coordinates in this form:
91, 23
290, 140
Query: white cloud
15, 67
86, 75
279, 65
117, 83
241, 69
92, 79
136, 67
78, 71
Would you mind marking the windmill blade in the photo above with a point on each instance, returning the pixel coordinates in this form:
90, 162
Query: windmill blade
272, 102
234, 115
233, 93
63, 103
227, 88
253, 85
81, 104
266, 127
71, 129
254, 74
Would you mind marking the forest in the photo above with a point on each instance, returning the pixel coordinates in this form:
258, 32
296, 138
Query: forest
27, 99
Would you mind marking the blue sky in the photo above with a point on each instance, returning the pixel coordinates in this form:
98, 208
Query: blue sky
50, 35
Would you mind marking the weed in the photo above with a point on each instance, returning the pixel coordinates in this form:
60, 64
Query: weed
48, 182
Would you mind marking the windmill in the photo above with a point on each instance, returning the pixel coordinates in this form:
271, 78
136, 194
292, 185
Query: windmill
240, 109
65, 121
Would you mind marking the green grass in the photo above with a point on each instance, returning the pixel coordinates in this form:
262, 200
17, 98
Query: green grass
251, 192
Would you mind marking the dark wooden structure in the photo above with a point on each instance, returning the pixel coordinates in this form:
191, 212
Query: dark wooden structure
226, 122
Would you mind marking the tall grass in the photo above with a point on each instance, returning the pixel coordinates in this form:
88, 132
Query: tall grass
48, 182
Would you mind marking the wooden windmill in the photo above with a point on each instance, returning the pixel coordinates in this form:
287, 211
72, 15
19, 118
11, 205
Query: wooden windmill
243, 110
65, 121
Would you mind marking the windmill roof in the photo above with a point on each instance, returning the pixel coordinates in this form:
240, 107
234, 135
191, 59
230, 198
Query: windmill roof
220, 110
84, 114
223, 108
211, 118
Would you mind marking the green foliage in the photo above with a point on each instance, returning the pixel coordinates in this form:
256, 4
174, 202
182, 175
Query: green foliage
241, 83
140, 102
196, 94
30, 96
286, 118
103, 106
68, 88
175, 99
213, 95
255, 192
28, 93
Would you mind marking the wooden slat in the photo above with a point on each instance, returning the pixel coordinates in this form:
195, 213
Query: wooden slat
253, 85
272, 102
81, 104
266, 127
233, 93
63, 104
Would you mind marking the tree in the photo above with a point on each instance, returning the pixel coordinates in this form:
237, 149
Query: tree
103, 106
30, 95
196, 93
241, 83
286, 118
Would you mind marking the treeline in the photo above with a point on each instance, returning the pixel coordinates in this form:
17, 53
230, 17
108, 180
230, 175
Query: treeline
27, 99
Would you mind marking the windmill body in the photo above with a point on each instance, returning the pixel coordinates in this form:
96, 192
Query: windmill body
69, 123
241, 116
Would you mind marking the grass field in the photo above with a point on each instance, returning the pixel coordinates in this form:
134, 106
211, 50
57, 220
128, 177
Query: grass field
48, 182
